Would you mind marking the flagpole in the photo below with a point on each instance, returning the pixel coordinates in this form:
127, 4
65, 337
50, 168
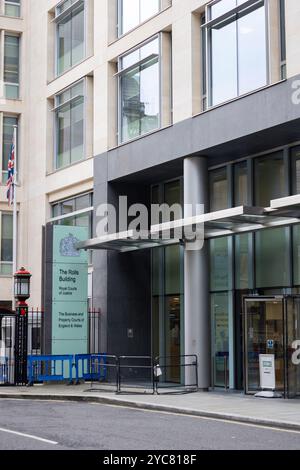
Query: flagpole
15, 216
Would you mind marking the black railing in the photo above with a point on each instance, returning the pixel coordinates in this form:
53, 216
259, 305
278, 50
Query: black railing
176, 374
102, 371
136, 374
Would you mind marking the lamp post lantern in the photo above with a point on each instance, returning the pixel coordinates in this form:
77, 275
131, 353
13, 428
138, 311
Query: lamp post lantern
21, 293
22, 285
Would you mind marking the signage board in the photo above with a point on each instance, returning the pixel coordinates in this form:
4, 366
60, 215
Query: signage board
267, 371
69, 291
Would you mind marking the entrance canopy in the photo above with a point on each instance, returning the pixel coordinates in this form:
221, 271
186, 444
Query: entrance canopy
238, 220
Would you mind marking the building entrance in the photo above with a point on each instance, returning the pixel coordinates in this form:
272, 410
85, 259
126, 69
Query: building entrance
272, 326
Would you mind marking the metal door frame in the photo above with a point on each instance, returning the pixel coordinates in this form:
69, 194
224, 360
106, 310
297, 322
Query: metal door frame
258, 298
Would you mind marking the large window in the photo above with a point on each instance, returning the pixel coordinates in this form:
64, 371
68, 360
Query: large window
139, 85
269, 179
75, 212
12, 8
219, 189
69, 116
70, 19
11, 66
134, 12
6, 243
7, 137
236, 48
272, 270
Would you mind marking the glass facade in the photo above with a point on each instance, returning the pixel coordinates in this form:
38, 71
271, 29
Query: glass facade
6, 243
12, 8
11, 66
134, 12
241, 66
266, 262
139, 86
70, 18
167, 289
69, 117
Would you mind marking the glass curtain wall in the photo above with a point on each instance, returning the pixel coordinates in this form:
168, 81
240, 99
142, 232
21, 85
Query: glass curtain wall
69, 115
139, 91
134, 12
11, 66
70, 19
237, 48
266, 262
167, 290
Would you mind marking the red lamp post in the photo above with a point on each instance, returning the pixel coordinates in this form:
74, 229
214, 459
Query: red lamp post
21, 293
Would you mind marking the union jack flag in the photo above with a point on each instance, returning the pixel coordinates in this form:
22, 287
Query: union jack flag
11, 175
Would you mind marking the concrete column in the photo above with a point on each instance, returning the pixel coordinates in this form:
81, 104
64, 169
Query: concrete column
196, 276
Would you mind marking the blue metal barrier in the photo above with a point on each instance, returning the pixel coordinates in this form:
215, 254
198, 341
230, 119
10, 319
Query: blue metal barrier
3, 369
90, 366
50, 368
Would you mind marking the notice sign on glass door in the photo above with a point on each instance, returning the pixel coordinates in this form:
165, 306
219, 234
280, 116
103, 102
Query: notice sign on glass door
267, 371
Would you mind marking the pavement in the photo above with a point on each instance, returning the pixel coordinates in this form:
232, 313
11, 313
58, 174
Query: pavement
228, 406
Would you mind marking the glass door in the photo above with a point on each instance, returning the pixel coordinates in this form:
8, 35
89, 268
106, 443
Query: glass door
264, 334
293, 346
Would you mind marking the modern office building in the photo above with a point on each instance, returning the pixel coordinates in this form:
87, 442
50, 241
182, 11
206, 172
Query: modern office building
182, 101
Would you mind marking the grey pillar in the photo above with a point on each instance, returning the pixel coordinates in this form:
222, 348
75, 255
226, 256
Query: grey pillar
196, 276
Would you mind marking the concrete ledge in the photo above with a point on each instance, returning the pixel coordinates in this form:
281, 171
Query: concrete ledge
230, 417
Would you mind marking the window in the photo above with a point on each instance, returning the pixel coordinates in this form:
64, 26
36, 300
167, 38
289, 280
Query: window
11, 66
139, 88
12, 8
269, 179
219, 191
272, 271
296, 170
75, 212
6, 243
134, 12
236, 48
241, 184
220, 267
282, 39
8, 132
70, 19
69, 117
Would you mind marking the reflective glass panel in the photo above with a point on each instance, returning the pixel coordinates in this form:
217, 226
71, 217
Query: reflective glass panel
218, 189
296, 170
220, 272
140, 93
241, 184
272, 258
220, 320
6, 238
223, 63
71, 38
252, 55
269, 179
11, 66
12, 8
242, 262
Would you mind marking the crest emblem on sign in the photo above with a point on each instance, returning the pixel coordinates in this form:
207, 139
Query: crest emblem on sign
67, 247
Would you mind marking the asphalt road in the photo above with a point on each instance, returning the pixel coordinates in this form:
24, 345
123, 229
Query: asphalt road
81, 426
